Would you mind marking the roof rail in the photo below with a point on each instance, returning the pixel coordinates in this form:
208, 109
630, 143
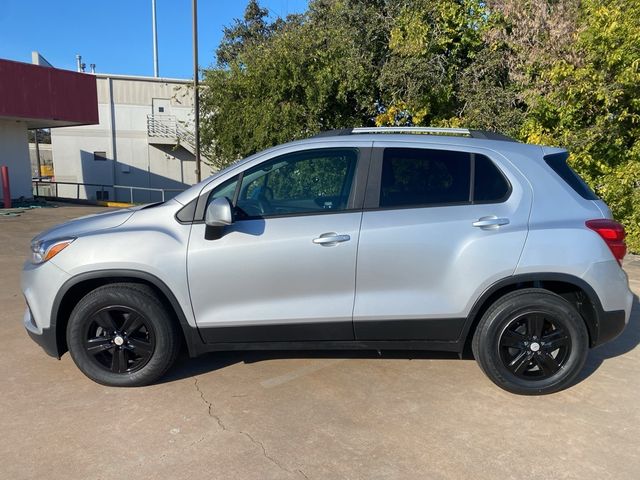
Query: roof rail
483, 134
427, 130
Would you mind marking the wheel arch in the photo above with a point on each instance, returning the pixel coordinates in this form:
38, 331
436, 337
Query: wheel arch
78, 286
571, 288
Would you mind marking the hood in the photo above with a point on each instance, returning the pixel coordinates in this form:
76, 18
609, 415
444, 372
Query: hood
88, 224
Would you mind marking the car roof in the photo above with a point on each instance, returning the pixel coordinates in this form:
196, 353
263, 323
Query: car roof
504, 146
429, 139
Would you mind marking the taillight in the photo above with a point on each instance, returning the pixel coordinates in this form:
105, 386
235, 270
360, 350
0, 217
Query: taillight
612, 233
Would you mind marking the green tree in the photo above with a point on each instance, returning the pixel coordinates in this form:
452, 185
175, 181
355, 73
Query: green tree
313, 72
245, 34
429, 45
591, 105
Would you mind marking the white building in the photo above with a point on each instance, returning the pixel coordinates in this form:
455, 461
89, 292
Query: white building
144, 139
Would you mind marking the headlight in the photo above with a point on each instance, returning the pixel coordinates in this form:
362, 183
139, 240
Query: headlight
43, 250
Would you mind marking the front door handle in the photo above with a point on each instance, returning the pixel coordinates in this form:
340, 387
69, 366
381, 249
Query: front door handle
490, 223
330, 238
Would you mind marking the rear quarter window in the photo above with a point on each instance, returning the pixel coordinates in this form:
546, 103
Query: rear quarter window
558, 163
489, 185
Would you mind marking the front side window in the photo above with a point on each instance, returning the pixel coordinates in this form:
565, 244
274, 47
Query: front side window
226, 189
313, 181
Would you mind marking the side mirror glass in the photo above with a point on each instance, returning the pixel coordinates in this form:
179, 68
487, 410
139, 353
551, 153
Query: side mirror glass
219, 213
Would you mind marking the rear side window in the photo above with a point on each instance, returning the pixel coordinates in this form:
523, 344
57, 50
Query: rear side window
558, 162
413, 177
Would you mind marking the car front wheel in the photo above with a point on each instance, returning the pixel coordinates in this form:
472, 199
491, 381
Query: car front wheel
121, 335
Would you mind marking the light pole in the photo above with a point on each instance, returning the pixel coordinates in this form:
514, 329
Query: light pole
155, 39
196, 98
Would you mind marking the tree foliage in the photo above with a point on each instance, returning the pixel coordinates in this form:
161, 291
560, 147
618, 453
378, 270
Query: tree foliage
591, 105
555, 72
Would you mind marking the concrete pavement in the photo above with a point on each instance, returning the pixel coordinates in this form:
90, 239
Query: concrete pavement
297, 415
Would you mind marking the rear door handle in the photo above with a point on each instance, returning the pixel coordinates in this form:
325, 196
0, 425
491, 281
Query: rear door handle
490, 223
331, 238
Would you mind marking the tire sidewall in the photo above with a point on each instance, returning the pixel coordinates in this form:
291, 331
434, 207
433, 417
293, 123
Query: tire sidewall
145, 305
497, 321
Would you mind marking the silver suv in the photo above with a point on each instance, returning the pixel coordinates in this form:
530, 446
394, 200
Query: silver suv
366, 238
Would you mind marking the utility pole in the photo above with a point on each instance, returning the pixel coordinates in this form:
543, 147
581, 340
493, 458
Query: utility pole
196, 94
155, 39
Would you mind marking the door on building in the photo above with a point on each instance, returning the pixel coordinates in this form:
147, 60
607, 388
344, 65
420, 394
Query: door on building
161, 106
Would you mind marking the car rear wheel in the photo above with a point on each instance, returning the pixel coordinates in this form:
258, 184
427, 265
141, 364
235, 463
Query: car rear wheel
121, 335
531, 342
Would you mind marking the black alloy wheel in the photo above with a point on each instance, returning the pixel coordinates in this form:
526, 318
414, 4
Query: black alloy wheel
123, 334
119, 339
534, 346
531, 342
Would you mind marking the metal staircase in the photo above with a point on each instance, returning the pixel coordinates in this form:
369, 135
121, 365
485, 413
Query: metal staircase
167, 130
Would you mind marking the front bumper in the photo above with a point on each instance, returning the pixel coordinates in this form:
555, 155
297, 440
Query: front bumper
40, 284
45, 337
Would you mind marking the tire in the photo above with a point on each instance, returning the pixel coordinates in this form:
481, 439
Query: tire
531, 342
121, 335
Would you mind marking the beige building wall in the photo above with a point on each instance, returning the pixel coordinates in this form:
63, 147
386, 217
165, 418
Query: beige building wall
118, 150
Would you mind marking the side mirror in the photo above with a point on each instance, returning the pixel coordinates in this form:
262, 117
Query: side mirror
219, 213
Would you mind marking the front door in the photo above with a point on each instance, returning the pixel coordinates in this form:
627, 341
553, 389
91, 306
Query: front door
285, 269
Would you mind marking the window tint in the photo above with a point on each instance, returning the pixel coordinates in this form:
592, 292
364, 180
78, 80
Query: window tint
304, 182
226, 189
558, 162
414, 177
489, 184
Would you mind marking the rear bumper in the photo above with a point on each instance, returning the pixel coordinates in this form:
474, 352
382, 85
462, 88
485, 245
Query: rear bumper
45, 337
614, 300
610, 325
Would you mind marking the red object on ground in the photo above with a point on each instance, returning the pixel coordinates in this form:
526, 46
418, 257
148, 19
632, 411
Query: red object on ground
6, 193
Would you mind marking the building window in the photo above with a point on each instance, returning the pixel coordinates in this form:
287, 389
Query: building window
161, 109
100, 156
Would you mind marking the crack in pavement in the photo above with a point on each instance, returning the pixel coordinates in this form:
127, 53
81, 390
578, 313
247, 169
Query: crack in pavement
210, 411
210, 406
264, 452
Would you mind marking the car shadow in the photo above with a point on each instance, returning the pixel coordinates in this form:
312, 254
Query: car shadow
625, 342
186, 367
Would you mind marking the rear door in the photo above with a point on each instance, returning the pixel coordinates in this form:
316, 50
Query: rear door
439, 227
